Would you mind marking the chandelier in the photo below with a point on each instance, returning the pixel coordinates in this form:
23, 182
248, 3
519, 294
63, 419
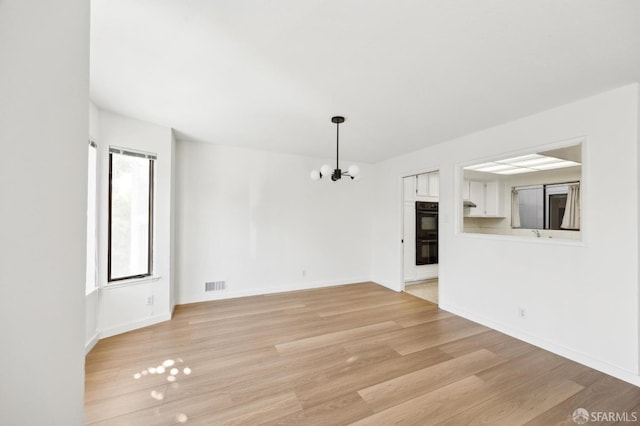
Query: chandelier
353, 171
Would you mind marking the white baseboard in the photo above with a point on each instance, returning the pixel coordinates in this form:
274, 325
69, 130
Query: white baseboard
91, 342
584, 359
123, 328
229, 294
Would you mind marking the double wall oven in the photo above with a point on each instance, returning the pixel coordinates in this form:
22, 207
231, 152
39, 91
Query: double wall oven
426, 232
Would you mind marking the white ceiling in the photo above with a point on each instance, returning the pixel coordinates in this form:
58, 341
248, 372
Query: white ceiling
405, 74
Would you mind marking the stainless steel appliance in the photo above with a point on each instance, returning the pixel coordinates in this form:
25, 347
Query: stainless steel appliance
426, 232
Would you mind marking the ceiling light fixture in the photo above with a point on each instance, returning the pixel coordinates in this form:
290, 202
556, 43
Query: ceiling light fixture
353, 171
523, 164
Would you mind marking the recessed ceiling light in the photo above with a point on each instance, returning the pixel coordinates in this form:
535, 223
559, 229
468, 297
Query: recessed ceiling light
516, 170
559, 165
520, 158
495, 168
522, 164
480, 166
536, 162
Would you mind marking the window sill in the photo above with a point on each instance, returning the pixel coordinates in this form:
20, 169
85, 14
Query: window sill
524, 239
132, 281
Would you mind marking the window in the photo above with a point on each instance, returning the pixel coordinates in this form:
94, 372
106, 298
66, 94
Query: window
546, 206
92, 181
130, 230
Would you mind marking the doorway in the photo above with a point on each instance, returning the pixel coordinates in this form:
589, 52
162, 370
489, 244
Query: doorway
420, 230
424, 289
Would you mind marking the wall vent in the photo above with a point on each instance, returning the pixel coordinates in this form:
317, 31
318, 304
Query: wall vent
215, 285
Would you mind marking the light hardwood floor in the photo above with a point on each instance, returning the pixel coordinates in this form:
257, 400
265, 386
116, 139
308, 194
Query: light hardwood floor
358, 354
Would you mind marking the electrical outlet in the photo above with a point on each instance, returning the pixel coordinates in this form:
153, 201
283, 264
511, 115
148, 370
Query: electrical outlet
150, 300
304, 273
521, 312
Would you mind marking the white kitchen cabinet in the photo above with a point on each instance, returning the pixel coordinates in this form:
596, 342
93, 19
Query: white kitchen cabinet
477, 196
487, 196
422, 185
434, 184
492, 199
427, 185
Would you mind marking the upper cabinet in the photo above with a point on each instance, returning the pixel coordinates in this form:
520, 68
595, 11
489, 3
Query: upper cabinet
493, 199
428, 185
422, 185
487, 196
434, 184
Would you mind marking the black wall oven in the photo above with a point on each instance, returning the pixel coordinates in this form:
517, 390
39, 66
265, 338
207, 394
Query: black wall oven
426, 232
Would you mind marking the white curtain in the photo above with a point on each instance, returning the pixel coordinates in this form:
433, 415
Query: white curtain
571, 218
515, 209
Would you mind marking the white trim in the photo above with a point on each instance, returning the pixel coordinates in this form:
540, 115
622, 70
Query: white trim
133, 326
227, 294
584, 359
132, 281
93, 290
96, 230
399, 286
394, 287
132, 152
123, 328
524, 239
91, 342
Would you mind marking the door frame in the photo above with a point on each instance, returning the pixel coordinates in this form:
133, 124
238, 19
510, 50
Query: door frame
400, 217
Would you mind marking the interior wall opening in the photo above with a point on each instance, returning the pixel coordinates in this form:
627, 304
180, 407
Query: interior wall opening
420, 229
536, 194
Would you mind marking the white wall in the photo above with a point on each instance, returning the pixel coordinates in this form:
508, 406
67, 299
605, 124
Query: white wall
638, 225
581, 298
123, 307
255, 220
92, 328
172, 249
92, 301
44, 74
94, 122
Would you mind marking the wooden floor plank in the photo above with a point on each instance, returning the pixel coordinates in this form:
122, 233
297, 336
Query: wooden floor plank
519, 405
399, 389
597, 397
336, 337
324, 387
342, 410
198, 406
431, 407
357, 353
